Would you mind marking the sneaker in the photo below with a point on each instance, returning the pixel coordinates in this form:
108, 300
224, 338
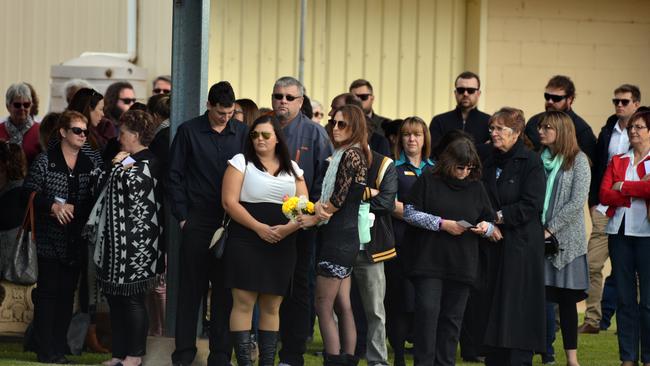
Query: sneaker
548, 359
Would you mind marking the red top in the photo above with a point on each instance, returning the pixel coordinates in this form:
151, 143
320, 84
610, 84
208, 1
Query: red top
31, 143
616, 173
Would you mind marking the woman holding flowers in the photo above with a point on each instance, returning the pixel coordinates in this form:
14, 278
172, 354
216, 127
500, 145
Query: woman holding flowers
260, 251
338, 209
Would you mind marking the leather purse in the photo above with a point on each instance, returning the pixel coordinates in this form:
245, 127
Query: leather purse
22, 268
218, 242
551, 246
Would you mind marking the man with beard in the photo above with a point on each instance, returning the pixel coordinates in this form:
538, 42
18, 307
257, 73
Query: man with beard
466, 116
362, 89
559, 95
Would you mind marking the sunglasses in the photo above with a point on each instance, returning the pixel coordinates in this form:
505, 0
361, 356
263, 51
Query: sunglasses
279, 96
363, 97
623, 102
256, 134
342, 125
469, 91
161, 91
79, 131
319, 114
128, 101
25, 105
554, 97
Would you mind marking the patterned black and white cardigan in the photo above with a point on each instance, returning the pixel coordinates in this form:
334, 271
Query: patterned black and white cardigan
50, 177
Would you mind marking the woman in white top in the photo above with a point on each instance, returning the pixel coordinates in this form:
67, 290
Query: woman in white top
260, 252
625, 188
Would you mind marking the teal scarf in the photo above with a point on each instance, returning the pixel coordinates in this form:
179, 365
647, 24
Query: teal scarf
552, 165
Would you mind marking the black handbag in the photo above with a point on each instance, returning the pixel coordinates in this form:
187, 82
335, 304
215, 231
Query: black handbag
551, 246
23, 267
218, 242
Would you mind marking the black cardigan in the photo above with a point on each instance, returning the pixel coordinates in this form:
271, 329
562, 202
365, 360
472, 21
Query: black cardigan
438, 254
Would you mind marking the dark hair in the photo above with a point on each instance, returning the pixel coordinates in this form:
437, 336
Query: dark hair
111, 98
159, 105
643, 114
564, 83
356, 120
250, 110
468, 75
447, 139
459, 152
13, 160
359, 83
47, 128
137, 106
391, 127
281, 148
166, 78
306, 107
140, 122
629, 88
84, 101
221, 93
67, 117
33, 111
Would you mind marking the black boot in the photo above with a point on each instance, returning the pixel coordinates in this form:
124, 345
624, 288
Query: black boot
242, 343
350, 360
333, 360
268, 342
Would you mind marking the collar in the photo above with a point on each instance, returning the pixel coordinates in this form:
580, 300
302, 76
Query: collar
459, 112
403, 160
206, 127
617, 127
295, 124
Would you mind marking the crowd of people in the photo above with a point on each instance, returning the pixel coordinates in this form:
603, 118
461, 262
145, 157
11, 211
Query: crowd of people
470, 230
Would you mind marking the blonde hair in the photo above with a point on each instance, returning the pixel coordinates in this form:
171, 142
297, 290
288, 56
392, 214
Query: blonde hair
566, 143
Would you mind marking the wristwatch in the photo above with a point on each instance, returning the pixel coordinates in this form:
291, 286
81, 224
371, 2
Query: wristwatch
499, 217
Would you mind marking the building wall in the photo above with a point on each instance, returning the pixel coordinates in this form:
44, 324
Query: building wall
600, 44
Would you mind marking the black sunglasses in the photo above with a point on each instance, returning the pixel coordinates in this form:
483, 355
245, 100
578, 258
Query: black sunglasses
319, 114
554, 97
128, 100
469, 91
25, 105
342, 125
289, 97
363, 97
79, 131
624, 102
256, 134
161, 91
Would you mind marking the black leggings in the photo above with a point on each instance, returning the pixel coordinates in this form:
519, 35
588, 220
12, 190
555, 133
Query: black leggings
566, 300
130, 325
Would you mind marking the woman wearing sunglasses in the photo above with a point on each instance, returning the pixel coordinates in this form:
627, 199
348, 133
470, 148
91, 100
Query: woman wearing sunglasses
568, 178
625, 188
124, 227
337, 211
62, 179
20, 128
261, 246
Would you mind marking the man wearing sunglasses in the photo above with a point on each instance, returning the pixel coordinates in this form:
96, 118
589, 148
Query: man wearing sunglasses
612, 140
559, 95
162, 85
198, 160
309, 146
362, 89
20, 128
466, 116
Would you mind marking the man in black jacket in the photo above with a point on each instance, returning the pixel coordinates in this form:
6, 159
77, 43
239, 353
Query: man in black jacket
559, 95
362, 89
466, 116
612, 140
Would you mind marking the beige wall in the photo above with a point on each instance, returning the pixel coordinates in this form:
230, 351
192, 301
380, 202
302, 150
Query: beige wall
37, 34
600, 44
410, 50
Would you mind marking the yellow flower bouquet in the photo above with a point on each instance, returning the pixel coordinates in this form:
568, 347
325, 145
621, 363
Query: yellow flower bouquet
294, 206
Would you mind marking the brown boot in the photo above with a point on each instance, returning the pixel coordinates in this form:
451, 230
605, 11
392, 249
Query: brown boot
92, 342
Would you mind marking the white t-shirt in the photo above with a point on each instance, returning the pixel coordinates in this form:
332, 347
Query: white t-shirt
260, 186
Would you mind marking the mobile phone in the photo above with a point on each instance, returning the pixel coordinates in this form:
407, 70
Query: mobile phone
466, 224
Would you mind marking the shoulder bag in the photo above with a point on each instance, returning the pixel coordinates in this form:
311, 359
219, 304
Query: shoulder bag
23, 266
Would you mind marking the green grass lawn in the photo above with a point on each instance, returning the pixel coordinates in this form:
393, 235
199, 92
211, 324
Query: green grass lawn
593, 350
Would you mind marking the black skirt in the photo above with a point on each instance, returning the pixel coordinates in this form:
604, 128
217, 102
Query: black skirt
253, 264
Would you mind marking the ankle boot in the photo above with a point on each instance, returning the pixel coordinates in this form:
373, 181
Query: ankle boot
242, 343
350, 360
268, 342
92, 342
333, 360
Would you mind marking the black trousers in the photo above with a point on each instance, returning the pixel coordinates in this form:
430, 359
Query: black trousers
508, 357
470, 332
53, 307
439, 308
129, 324
197, 268
295, 311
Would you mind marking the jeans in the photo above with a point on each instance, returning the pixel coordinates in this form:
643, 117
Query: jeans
608, 302
629, 257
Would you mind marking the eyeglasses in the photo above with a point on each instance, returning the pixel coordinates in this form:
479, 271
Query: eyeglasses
623, 102
636, 127
499, 129
363, 97
289, 97
469, 91
256, 134
25, 105
554, 97
161, 91
545, 127
319, 114
79, 131
128, 101
464, 168
342, 125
